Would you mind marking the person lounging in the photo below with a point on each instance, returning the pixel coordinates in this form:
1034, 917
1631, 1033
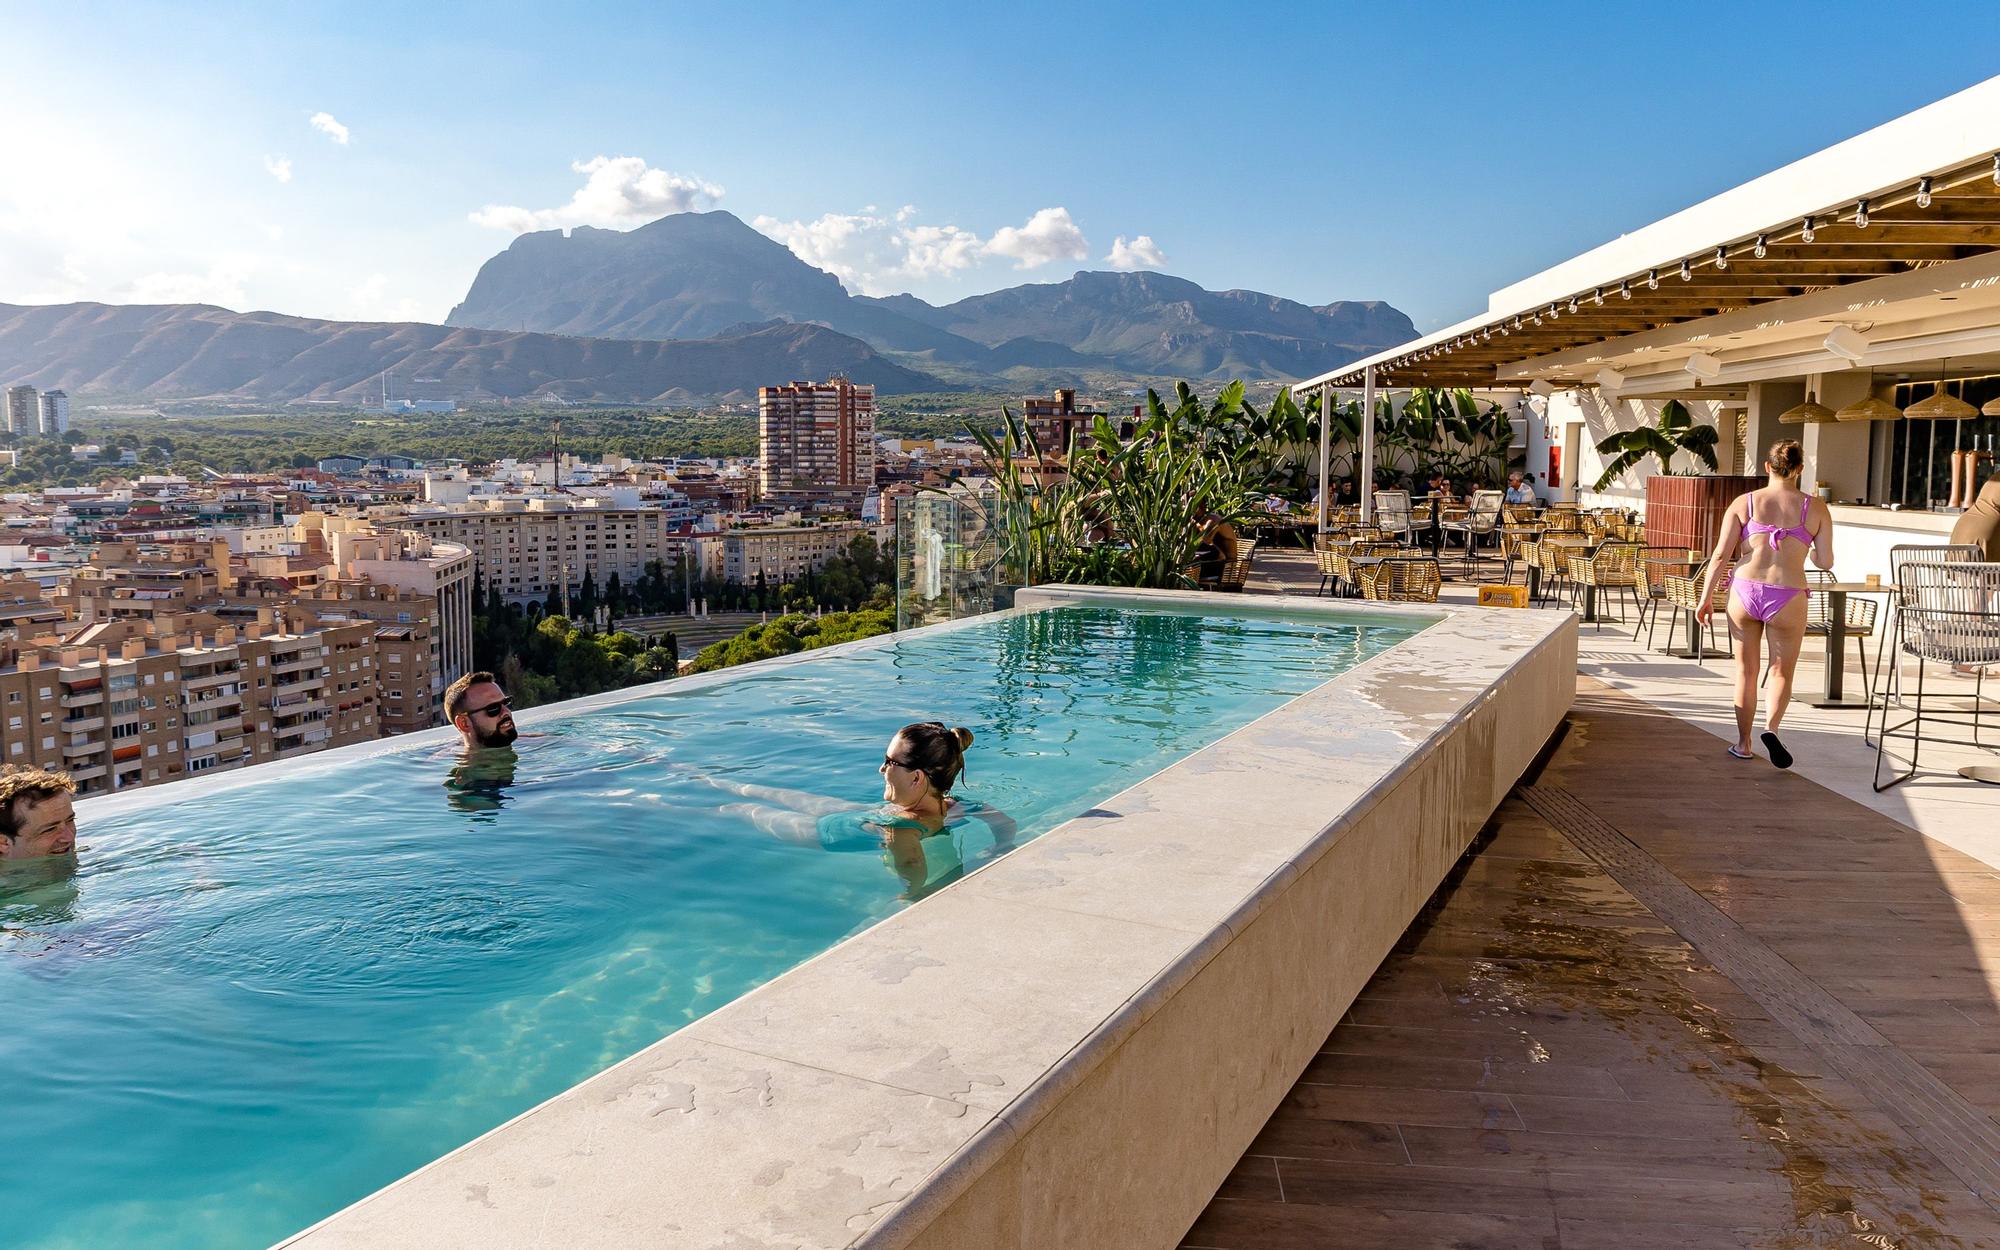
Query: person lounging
918, 827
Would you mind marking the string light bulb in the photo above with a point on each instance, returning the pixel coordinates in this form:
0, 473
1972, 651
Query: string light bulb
1923, 193
1759, 250
1625, 289
1807, 232
1652, 279
1597, 297
1572, 303
1721, 259
1861, 215
1687, 272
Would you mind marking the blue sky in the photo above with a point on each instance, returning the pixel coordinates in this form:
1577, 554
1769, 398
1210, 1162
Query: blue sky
1419, 154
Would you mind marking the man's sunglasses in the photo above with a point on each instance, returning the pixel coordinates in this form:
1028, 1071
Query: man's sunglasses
494, 709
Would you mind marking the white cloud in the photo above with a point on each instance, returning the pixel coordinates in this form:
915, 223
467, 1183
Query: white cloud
876, 255
617, 191
1140, 253
370, 300
328, 126
1049, 235
222, 283
937, 251
279, 167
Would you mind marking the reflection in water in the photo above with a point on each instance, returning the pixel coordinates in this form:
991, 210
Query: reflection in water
478, 783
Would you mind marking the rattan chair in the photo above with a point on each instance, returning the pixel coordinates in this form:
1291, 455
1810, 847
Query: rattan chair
1613, 567
1684, 594
1235, 573
1400, 580
1947, 612
1655, 564
1345, 578
1860, 618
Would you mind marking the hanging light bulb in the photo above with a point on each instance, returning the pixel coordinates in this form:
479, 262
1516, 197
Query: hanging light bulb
1625, 289
1996, 169
1923, 193
1807, 232
1760, 249
1652, 279
1597, 297
1861, 215
1721, 259
1572, 303
1687, 272
1554, 312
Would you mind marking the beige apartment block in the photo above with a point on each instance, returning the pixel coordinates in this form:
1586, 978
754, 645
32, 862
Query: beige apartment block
123, 703
816, 436
527, 547
780, 554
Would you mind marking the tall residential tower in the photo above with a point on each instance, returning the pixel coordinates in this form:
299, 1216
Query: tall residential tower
816, 437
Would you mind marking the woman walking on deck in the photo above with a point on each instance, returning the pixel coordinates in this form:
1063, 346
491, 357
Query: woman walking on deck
1768, 534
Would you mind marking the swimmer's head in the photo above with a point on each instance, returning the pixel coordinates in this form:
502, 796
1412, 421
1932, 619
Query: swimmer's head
36, 816
481, 710
924, 758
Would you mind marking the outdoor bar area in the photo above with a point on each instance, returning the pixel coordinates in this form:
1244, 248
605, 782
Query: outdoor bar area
1849, 300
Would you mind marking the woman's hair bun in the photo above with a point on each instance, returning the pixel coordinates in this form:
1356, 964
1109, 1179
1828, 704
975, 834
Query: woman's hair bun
1787, 457
964, 737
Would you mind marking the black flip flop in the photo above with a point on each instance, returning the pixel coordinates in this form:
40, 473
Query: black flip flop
1776, 750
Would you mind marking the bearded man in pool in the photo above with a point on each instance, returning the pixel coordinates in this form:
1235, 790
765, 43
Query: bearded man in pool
36, 818
481, 710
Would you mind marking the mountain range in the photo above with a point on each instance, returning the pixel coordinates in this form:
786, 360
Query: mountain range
688, 275
689, 308
172, 351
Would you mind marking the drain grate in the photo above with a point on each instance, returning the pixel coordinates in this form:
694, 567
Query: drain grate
1962, 1137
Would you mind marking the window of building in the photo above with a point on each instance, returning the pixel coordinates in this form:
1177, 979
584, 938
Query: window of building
13, 722
15, 749
13, 696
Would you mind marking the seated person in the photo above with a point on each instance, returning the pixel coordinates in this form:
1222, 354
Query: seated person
918, 826
1218, 546
1518, 490
1980, 523
36, 815
481, 710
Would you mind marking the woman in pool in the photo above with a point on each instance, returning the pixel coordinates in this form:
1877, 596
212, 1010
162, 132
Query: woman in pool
918, 826
1768, 533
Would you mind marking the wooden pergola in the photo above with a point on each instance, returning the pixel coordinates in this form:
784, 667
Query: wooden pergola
1934, 219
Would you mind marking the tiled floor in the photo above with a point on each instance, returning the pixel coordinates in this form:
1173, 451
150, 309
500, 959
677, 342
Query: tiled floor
1543, 1062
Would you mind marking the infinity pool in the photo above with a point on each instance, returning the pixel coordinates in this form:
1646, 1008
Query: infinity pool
251, 1007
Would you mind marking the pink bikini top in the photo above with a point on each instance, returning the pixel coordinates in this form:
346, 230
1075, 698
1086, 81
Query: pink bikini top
1780, 533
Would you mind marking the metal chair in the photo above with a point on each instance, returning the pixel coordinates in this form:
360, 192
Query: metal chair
1947, 612
1480, 522
1655, 563
1392, 513
1402, 580
1900, 555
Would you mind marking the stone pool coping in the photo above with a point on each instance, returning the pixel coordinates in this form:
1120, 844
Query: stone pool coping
957, 1074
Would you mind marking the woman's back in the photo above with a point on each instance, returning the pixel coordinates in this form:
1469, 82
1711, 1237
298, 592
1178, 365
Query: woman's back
1779, 530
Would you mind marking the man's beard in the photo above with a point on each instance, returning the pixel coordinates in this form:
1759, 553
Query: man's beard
503, 735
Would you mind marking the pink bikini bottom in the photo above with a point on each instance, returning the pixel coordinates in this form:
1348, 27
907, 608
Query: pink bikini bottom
1761, 601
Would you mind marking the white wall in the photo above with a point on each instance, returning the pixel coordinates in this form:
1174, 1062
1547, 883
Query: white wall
1600, 416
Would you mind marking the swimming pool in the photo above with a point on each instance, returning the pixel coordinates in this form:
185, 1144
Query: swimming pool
251, 1007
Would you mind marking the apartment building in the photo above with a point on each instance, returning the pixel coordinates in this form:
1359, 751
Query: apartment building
123, 703
528, 547
816, 437
54, 413
1056, 422
24, 411
780, 553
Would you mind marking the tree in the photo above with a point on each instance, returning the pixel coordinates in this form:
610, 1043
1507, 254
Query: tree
1674, 432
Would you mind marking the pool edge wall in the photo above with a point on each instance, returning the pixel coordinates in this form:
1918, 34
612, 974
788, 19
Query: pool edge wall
1069, 1048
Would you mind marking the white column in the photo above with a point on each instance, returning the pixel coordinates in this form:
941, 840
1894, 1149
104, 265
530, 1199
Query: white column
1325, 440
1365, 469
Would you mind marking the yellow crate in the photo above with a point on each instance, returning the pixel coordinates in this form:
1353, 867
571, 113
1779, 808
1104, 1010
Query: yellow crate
1503, 596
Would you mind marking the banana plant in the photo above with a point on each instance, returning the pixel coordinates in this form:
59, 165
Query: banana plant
1674, 432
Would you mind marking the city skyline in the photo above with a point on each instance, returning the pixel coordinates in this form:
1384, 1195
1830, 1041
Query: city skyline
361, 164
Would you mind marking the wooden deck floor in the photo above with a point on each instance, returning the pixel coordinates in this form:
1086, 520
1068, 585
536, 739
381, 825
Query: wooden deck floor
1545, 1061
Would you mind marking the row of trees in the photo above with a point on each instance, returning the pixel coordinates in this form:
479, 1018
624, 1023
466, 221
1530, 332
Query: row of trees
847, 580
795, 632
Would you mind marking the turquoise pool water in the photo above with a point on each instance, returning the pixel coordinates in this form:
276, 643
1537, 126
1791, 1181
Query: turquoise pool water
247, 1009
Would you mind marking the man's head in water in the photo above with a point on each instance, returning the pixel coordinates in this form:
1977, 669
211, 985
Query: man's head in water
36, 817
480, 709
